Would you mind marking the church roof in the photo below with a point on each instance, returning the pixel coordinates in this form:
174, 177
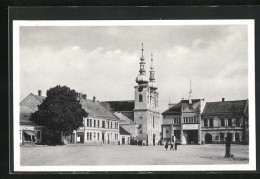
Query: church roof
225, 108
127, 105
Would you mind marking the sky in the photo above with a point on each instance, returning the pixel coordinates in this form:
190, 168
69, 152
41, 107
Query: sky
104, 61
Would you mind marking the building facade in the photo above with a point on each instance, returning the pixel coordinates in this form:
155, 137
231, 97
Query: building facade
183, 120
194, 121
101, 126
29, 132
225, 118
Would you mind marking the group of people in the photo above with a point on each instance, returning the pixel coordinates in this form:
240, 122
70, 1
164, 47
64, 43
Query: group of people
173, 144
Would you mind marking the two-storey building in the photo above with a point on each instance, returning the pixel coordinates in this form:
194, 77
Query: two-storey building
220, 119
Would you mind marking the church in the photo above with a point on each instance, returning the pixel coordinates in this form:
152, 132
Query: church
143, 110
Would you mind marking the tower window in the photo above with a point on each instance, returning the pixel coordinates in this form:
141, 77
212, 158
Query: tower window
140, 98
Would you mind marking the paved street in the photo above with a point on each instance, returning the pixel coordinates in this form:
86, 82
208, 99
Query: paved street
130, 155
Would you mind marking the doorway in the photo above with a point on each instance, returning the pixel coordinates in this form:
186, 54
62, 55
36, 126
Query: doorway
208, 138
123, 140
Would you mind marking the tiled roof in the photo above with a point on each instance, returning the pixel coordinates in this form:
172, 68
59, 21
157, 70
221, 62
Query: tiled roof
123, 119
92, 108
25, 113
122, 131
127, 105
176, 109
225, 107
40, 98
96, 109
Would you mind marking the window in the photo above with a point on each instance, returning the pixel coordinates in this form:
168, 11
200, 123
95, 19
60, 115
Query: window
90, 136
222, 122
103, 124
88, 122
94, 123
97, 136
237, 137
87, 135
111, 124
98, 123
237, 122
229, 122
140, 98
205, 123
153, 121
211, 123
94, 135
107, 124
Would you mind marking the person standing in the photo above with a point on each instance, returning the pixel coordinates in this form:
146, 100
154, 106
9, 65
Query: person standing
166, 145
175, 143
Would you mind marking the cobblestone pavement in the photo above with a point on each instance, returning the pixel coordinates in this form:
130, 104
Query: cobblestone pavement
81, 154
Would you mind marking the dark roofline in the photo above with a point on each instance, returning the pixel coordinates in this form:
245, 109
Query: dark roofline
117, 101
228, 101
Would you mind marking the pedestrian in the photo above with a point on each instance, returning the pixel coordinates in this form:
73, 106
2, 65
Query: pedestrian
171, 146
33, 140
166, 145
175, 144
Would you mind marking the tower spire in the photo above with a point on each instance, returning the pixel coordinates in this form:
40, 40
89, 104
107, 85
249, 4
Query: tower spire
142, 78
190, 94
152, 78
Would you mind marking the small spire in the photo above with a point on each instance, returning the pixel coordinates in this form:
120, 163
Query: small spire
142, 49
151, 62
190, 94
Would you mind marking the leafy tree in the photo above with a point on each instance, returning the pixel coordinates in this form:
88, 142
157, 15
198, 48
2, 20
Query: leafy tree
60, 112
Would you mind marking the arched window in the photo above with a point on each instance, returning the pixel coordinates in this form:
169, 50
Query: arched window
140, 98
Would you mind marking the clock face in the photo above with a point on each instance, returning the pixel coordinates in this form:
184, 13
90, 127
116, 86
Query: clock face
140, 89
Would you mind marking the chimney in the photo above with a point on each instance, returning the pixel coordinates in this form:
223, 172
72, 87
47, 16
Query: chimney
94, 98
223, 99
39, 92
84, 96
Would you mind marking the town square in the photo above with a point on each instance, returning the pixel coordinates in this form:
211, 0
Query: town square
88, 98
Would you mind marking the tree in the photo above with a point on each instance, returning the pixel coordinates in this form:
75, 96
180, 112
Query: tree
60, 112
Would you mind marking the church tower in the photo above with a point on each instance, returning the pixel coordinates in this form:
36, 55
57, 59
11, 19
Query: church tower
146, 112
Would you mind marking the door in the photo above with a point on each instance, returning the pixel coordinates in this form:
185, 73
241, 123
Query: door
123, 140
208, 138
103, 137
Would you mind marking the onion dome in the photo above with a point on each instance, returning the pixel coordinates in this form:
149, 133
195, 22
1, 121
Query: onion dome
142, 78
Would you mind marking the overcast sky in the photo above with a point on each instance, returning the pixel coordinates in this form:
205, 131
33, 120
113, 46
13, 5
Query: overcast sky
104, 61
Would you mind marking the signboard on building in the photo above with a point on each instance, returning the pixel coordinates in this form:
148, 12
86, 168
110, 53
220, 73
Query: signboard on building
190, 126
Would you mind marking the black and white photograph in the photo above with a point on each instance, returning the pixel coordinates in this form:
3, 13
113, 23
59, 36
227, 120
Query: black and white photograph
127, 95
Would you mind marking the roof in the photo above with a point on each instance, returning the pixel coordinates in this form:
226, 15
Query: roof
92, 108
25, 113
127, 105
122, 131
187, 108
123, 119
97, 109
32, 101
225, 108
